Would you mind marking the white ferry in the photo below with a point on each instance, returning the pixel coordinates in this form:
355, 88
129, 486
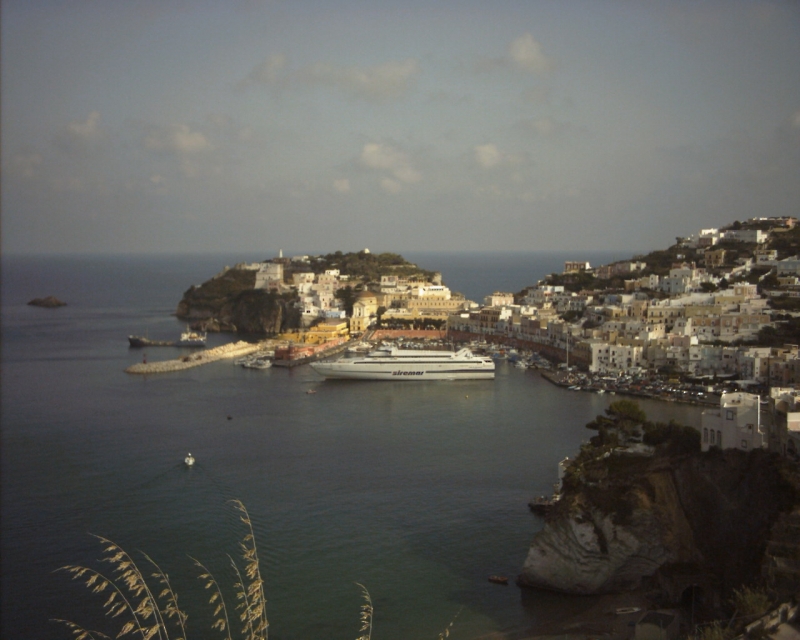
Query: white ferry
409, 364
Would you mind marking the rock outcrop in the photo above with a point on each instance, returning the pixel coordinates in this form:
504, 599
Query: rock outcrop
228, 302
50, 302
611, 529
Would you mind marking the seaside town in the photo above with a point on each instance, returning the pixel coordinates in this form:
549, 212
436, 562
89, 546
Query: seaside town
709, 320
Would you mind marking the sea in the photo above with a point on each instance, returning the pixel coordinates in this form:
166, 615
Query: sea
416, 492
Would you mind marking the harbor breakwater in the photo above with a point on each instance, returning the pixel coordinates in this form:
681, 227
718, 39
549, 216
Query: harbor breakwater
230, 350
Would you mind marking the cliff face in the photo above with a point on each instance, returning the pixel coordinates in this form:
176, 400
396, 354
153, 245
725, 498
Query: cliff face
228, 302
711, 511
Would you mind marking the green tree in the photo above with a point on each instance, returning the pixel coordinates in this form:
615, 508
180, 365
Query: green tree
347, 295
379, 315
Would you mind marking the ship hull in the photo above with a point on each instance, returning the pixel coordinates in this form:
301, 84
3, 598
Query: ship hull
408, 368
399, 374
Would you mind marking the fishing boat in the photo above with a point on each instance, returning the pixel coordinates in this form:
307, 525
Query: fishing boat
191, 338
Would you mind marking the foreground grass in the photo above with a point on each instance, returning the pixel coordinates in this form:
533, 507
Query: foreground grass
141, 600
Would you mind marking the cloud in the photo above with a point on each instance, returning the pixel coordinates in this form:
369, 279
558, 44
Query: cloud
268, 72
545, 126
380, 83
81, 138
178, 139
25, 165
86, 129
391, 186
388, 81
488, 156
383, 157
342, 185
526, 54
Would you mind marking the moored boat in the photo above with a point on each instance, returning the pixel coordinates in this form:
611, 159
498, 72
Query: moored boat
188, 339
140, 341
191, 338
409, 364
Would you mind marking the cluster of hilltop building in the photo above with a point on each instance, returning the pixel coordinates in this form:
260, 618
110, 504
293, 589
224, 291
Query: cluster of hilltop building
413, 298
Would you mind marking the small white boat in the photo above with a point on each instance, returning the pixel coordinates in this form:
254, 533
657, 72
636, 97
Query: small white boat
189, 460
261, 362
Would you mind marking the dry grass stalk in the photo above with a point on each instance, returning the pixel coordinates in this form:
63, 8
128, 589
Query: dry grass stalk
220, 623
244, 605
130, 575
254, 613
366, 615
80, 633
171, 609
116, 603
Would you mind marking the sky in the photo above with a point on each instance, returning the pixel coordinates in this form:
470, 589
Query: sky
191, 126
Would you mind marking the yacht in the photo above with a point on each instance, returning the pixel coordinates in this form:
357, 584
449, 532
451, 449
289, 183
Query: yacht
391, 363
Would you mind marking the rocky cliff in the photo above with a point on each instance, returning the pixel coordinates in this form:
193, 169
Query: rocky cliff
228, 302
624, 517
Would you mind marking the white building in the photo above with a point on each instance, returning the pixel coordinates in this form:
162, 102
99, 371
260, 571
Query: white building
746, 235
736, 424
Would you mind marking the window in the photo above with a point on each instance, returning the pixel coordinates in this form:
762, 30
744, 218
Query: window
705, 435
744, 444
729, 414
712, 437
719, 438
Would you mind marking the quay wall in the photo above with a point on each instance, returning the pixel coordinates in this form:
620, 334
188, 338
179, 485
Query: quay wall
230, 350
408, 334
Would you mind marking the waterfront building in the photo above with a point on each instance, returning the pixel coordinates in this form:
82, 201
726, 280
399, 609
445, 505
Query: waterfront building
326, 331
735, 424
614, 358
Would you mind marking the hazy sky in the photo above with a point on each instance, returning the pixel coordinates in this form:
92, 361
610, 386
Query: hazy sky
253, 125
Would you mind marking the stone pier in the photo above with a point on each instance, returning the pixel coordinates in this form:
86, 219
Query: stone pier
231, 350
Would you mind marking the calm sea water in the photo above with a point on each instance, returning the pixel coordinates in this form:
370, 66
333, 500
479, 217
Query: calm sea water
418, 491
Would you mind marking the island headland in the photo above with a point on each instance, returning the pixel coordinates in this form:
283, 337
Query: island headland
49, 302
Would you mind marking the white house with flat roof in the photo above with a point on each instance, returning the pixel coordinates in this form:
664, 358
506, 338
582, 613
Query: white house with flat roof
736, 424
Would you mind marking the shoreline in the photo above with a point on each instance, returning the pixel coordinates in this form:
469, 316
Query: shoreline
561, 379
